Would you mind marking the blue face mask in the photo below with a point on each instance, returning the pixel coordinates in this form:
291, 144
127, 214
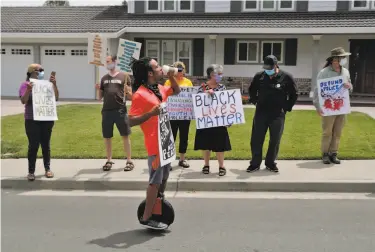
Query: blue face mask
218, 78
269, 72
41, 75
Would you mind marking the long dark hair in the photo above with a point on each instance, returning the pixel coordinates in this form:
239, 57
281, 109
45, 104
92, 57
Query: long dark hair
140, 69
328, 62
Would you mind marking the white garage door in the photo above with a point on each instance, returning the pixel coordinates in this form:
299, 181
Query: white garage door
75, 77
14, 62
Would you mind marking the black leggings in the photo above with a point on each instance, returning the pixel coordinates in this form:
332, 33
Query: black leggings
183, 126
39, 133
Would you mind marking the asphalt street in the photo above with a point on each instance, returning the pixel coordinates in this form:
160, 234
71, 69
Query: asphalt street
91, 223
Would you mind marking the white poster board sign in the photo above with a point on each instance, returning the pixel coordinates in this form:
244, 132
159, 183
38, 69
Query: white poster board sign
333, 96
127, 51
97, 49
167, 150
180, 107
44, 100
223, 108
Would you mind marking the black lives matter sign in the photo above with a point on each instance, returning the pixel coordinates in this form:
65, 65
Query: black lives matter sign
167, 150
222, 108
44, 101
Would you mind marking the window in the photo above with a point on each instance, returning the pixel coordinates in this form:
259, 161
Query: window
360, 5
247, 51
152, 6
78, 52
169, 6
286, 5
184, 6
373, 4
268, 5
250, 5
21, 51
184, 53
274, 48
152, 49
54, 52
168, 49
3, 51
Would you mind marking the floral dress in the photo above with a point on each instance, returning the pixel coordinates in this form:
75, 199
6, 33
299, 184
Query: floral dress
213, 139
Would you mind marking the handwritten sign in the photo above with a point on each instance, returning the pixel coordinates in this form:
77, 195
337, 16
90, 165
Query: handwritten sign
223, 108
167, 150
127, 51
333, 96
97, 49
44, 101
180, 107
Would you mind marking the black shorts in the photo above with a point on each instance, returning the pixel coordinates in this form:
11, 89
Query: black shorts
111, 117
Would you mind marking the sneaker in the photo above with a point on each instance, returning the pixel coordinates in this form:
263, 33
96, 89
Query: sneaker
326, 158
153, 224
334, 159
252, 168
183, 164
272, 168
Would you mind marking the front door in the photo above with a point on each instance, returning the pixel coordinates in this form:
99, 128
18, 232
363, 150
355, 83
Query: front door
362, 65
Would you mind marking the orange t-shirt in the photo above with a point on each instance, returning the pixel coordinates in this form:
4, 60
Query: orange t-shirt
142, 102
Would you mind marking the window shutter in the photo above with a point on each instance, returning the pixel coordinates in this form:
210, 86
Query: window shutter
143, 42
229, 51
291, 52
198, 57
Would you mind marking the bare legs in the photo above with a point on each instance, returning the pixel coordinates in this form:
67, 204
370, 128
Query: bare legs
108, 148
219, 156
127, 148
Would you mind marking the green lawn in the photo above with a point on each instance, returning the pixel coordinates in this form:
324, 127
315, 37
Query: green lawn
77, 134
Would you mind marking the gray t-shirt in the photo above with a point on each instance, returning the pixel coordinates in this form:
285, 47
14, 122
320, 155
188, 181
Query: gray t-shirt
113, 91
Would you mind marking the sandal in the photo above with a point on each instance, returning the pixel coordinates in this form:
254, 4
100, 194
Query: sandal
49, 174
222, 171
129, 166
183, 164
108, 166
31, 177
206, 169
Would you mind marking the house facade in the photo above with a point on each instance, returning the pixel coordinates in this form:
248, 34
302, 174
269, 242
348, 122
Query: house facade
236, 34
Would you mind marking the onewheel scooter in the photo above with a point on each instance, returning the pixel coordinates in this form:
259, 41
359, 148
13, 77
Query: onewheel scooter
162, 212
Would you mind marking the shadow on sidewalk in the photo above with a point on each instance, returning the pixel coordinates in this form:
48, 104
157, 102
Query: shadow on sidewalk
97, 171
243, 174
314, 165
127, 239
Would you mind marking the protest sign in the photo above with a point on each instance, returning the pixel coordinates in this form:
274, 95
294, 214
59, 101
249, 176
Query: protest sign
44, 100
180, 107
97, 49
333, 96
127, 51
167, 150
223, 108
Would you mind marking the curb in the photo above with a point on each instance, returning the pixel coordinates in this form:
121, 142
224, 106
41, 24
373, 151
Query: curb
191, 185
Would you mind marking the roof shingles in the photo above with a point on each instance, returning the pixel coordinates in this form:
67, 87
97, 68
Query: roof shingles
114, 18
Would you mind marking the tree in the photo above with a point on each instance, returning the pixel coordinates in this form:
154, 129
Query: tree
56, 3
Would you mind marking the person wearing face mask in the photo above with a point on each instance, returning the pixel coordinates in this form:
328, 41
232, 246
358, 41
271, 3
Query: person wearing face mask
213, 139
332, 126
115, 89
274, 93
181, 125
38, 132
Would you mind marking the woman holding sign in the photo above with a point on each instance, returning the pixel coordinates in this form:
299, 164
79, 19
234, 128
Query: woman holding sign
213, 139
38, 132
332, 125
182, 125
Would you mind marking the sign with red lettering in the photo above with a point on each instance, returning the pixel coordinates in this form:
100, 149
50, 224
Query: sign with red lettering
222, 108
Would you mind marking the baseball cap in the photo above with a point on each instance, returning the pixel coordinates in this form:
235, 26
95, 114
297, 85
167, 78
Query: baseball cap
269, 62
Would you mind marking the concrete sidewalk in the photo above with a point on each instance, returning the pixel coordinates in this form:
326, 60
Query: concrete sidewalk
294, 176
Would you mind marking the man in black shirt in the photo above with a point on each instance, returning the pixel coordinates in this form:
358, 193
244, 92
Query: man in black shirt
274, 92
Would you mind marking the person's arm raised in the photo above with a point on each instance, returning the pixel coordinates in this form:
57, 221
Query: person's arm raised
174, 85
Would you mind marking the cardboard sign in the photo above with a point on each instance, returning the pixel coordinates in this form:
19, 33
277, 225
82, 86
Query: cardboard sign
180, 107
223, 108
167, 150
127, 51
44, 101
97, 49
333, 96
